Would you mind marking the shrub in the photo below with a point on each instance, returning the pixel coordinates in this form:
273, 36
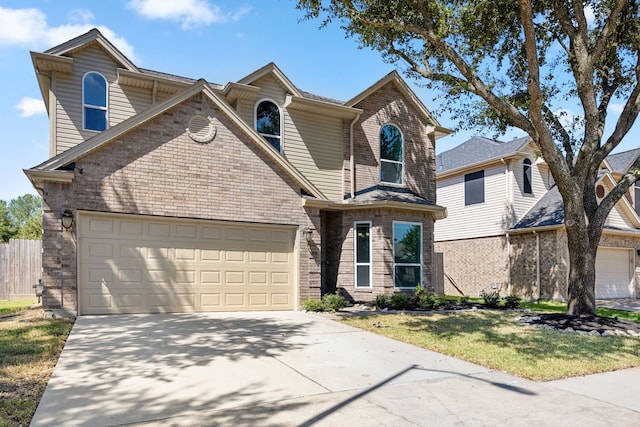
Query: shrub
512, 301
333, 302
427, 301
463, 300
313, 305
399, 301
382, 301
419, 291
491, 299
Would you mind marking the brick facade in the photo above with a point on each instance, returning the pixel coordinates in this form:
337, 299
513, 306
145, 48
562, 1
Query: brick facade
388, 105
475, 265
540, 257
156, 169
341, 263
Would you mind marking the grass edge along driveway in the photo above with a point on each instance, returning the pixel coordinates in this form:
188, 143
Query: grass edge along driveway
494, 339
29, 349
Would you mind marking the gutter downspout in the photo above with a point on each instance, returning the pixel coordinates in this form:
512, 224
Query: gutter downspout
509, 264
154, 92
538, 293
352, 160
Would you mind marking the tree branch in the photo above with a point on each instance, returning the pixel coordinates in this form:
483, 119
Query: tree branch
604, 38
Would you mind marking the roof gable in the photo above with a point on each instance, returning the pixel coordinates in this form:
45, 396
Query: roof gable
548, 212
476, 152
55, 164
395, 79
621, 162
93, 36
272, 69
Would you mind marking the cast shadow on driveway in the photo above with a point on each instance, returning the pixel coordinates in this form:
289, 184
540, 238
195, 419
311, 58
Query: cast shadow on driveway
234, 369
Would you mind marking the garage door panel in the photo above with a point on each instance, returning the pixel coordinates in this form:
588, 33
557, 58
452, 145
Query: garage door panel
614, 277
235, 300
282, 299
133, 265
159, 229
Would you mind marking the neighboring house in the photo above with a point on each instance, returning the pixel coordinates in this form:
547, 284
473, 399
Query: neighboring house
167, 194
505, 224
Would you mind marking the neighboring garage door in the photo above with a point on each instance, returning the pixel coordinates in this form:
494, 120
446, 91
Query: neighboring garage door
131, 264
614, 273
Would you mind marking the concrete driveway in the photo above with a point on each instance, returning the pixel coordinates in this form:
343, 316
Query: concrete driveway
297, 369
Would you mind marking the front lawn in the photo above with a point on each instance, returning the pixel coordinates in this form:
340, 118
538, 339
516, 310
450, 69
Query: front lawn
494, 339
29, 349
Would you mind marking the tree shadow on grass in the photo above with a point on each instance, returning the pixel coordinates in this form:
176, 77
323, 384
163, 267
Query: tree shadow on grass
535, 342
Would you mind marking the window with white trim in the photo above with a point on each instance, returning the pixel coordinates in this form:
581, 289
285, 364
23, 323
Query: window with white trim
268, 122
94, 102
526, 177
391, 155
407, 254
362, 252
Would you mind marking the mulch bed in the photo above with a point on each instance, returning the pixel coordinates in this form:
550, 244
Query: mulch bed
585, 323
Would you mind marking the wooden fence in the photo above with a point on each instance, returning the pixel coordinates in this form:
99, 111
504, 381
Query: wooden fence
20, 268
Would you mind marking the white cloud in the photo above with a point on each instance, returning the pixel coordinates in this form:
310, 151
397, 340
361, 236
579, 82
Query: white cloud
589, 16
83, 16
190, 13
30, 107
29, 28
616, 108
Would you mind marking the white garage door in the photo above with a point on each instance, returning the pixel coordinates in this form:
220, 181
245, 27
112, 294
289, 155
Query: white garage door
614, 273
130, 264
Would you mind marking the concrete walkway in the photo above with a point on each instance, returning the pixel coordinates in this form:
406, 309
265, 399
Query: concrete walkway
297, 369
627, 304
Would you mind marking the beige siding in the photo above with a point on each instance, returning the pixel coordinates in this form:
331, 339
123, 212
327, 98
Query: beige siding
483, 219
523, 202
311, 142
314, 147
122, 102
618, 218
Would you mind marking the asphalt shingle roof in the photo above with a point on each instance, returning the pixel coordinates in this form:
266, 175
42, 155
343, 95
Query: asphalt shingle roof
549, 210
621, 162
476, 150
380, 193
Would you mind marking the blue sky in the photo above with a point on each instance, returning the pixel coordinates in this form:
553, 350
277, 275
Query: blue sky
219, 41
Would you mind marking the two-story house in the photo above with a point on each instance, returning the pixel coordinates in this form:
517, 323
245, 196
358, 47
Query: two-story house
169, 194
505, 226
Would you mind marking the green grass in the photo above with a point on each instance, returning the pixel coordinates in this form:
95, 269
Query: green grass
29, 349
495, 340
559, 307
8, 307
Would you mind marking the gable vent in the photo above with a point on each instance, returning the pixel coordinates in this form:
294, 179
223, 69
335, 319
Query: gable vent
201, 129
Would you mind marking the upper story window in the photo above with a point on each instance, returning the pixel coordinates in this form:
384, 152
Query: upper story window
94, 102
474, 188
526, 177
268, 123
391, 155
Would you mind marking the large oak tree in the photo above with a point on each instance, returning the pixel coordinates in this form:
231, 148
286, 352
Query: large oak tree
525, 64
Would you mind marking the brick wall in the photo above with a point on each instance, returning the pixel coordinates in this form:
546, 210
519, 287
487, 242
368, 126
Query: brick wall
475, 264
156, 169
341, 246
388, 105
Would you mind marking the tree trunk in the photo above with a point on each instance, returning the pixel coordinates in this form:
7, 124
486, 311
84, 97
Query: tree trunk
582, 271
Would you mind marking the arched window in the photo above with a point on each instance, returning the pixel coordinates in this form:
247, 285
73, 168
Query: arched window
391, 155
94, 101
526, 177
268, 123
